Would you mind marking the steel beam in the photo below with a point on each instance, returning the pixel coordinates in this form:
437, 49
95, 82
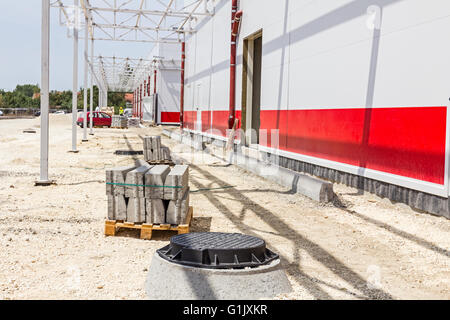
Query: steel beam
131, 27
75, 81
169, 41
91, 105
85, 98
176, 14
189, 16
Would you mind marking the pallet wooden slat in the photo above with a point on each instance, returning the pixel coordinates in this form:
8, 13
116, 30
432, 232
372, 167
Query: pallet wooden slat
161, 162
112, 226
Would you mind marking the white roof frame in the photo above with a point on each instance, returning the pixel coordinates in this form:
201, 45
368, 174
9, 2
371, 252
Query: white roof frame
130, 21
127, 20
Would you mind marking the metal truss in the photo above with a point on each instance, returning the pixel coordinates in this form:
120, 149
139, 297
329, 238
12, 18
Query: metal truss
150, 21
133, 20
125, 74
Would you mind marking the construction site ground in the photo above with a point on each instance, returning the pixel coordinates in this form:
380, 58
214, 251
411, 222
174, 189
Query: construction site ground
53, 244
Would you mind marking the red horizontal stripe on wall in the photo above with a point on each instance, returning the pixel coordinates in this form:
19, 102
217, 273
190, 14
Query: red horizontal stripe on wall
170, 117
218, 120
409, 142
206, 120
189, 119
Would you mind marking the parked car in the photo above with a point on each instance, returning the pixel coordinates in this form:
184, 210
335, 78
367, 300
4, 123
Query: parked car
37, 113
60, 112
99, 119
1, 113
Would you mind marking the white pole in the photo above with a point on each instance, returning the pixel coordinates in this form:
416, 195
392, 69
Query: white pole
85, 98
75, 79
45, 66
92, 91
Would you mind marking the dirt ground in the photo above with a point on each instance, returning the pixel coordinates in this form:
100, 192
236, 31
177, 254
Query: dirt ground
53, 247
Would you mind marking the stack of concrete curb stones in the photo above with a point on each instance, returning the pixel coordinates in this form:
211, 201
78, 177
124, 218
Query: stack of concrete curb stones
154, 151
148, 194
133, 122
119, 122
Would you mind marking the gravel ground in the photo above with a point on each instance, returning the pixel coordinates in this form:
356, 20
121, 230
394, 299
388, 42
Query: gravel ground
53, 247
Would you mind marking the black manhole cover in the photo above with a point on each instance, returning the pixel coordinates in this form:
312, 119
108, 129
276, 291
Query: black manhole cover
217, 250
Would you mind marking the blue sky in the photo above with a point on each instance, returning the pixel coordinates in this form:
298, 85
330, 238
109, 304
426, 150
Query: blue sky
20, 49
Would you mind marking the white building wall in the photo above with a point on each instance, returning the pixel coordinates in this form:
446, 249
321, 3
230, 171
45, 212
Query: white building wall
327, 45
168, 82
168, 88
207, 66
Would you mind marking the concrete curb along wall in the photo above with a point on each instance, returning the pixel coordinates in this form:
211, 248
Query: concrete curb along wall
195, 142
415, 199
311, 187
314, 188
188, 283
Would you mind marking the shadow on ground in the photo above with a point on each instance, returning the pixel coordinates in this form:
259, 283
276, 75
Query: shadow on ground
299, 241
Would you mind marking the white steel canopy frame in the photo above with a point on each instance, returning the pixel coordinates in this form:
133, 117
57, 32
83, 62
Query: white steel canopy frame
148, 21
133, 20
119, 74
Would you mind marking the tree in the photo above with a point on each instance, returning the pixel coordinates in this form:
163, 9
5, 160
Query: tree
27, 90
61, 99
116, 100
22, 97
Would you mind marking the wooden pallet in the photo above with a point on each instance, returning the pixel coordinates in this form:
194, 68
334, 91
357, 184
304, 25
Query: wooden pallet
160, 162
112, 226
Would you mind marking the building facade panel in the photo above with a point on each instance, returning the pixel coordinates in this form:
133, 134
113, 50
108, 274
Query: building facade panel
357, 86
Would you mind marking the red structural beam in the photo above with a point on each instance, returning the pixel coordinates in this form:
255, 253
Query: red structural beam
140, 102
134, 103
154, 84
235, 21
183, 57
145, 88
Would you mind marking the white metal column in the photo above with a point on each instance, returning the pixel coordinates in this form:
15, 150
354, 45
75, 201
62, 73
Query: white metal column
92, 91
45, 65
85, 98
75, 78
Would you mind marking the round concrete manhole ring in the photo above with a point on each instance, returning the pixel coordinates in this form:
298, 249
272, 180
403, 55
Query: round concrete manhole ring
215, 266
